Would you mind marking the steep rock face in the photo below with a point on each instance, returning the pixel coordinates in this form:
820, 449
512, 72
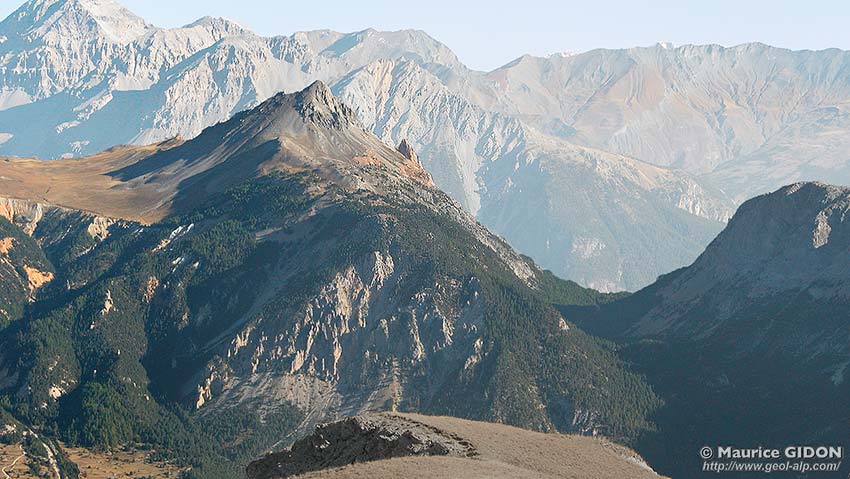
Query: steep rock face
23, 270
359, 344
52, 22
52, 45
28, 230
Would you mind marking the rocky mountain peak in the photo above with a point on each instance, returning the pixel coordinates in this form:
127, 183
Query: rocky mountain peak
413, 166
219, 25
309, 129
318, 105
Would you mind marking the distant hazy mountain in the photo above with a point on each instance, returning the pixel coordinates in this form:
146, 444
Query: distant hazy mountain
81, 87
281, 268
751, 118
511, 145
72, 85
757, 323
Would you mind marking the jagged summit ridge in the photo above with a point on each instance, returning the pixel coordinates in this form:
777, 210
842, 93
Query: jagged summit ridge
315, 105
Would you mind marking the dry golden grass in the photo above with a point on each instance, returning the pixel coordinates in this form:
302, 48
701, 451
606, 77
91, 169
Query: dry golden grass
543, 455
109, 465
84, 183
92, 465
13, 463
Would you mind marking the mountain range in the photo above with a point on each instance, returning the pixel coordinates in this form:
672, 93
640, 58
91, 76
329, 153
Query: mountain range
613, 133
671, 139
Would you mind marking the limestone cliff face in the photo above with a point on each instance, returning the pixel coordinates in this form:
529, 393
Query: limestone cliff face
29, 215
25, 213
365, 341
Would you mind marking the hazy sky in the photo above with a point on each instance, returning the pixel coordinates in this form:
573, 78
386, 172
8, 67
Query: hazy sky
486, 35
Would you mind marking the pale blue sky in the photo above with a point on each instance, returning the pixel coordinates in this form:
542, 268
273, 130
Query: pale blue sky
486, 35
